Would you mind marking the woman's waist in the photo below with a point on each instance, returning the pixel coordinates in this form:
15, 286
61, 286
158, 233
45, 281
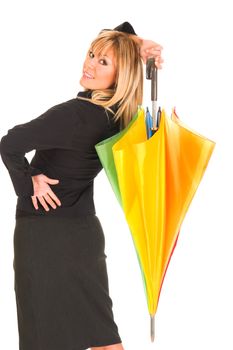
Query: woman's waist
71, 202
68, 176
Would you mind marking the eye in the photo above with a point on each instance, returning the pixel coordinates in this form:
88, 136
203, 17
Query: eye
103, 60
91, 54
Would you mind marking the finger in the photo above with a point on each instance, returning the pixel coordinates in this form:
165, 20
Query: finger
154, 48
158, 46
156, 59
43, 203
155, 53
49, 200
54, 197
153, 44
34, 202
159, 60
52, 181
158, 65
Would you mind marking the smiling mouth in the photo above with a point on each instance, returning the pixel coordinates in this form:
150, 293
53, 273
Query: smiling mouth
87, 75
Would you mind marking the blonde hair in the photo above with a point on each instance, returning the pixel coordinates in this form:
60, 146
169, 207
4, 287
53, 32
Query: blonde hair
127, 92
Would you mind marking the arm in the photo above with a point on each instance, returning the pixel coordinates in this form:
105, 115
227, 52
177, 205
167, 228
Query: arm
148, 48
50, 130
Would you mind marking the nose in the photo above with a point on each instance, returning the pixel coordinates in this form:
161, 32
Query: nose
91, 63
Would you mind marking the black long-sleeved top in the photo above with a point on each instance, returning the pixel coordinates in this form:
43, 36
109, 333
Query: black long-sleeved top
64, 138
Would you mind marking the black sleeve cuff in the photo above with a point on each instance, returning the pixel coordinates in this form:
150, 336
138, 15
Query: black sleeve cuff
22, 184
34, 171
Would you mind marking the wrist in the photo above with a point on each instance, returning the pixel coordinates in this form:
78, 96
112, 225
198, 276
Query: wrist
136, 39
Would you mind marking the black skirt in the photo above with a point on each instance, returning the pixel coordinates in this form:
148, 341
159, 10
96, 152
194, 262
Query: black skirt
61, 284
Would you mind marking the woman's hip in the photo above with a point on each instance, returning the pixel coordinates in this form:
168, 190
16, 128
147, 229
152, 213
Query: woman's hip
44, 242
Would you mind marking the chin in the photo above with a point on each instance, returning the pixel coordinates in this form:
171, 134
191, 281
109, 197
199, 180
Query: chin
82, 83
92, 85
87, 85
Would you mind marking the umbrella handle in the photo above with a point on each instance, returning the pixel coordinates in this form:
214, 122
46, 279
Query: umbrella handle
154, 84
152, 74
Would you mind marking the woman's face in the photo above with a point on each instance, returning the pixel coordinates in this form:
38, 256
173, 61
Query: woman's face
99, 71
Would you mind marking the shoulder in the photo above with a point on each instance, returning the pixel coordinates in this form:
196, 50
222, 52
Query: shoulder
85, 113
73, 109
76, 104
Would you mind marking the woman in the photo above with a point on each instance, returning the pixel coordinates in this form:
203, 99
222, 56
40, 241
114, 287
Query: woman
61, 282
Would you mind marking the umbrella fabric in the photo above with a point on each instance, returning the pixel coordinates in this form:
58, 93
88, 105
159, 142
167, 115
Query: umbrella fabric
155, 180
104, 151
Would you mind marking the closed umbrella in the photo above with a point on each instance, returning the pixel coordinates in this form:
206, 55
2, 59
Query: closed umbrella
154, 179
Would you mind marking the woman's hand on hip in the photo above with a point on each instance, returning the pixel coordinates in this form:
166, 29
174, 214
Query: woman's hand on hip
43, 192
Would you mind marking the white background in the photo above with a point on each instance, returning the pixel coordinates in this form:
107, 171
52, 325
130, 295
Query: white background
43, 44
